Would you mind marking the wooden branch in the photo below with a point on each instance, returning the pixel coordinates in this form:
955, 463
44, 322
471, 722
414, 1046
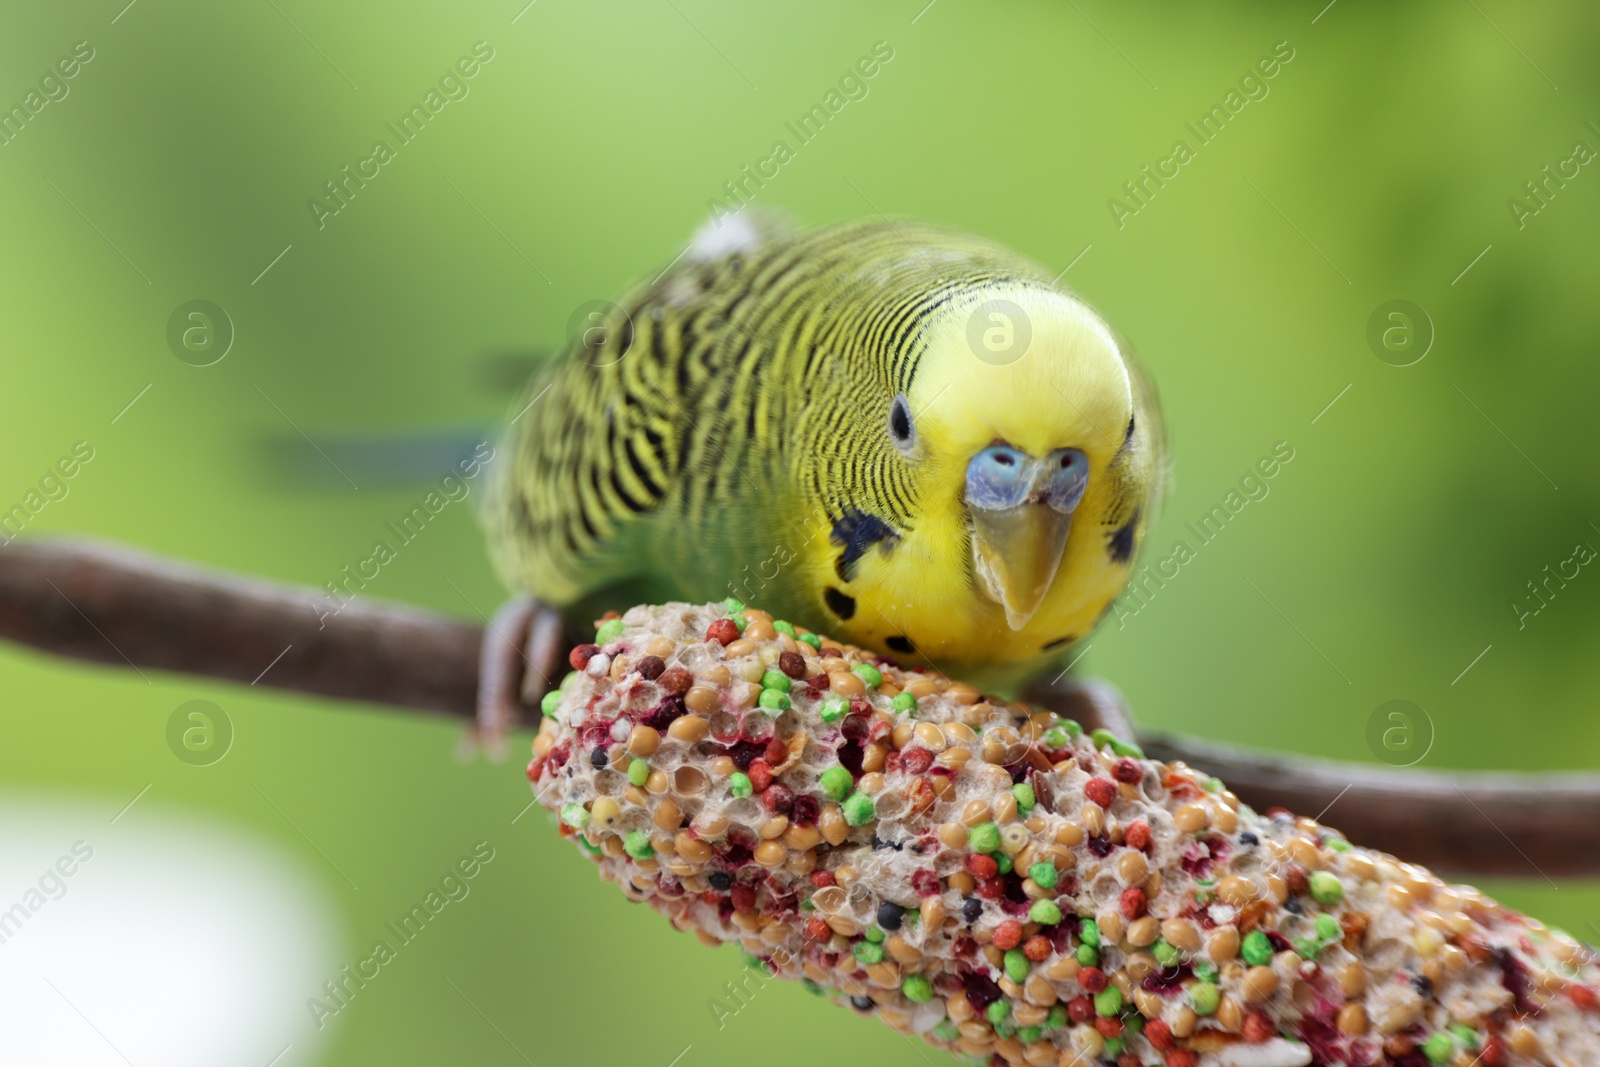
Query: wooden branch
107, 604
1516, 825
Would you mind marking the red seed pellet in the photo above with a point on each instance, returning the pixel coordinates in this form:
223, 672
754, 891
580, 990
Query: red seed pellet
675, 680
760, 775
1102, 791
1258, 1027
723, 631
1008, 934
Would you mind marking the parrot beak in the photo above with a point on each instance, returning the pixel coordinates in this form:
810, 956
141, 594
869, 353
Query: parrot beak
1021, 508
1016, 553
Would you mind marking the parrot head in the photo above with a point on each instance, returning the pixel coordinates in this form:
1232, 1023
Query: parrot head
1032, 438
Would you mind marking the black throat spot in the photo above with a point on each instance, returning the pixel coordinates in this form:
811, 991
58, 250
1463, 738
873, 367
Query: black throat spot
1120, 545
841, 605
856, 531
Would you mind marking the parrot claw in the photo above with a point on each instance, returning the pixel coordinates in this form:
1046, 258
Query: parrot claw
521, 646
1095, 703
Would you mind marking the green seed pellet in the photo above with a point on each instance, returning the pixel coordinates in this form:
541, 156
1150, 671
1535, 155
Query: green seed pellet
740, 620
985, 837
1256, 949
870, 675
739, 784
1439, 1047
1004, 863
1044, 912
1056, 737
1326, 888
1204, 998
1024, 794
775, 680
1017, 965
637, 845
783, 627
1108, 1001
836, 782
904, 702
1166, 954
1328, 927
867, 952
608, 631
834, 707
1089, 933
1087, 955
733, 604
550, 702
859, 809
996, 1013
638, 772
774, 700
917, 989
575, 816
1044, 875
812, 639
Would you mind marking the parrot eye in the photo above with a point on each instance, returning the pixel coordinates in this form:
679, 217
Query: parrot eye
901, 432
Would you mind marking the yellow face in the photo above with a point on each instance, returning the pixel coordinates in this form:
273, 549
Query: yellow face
1034, 477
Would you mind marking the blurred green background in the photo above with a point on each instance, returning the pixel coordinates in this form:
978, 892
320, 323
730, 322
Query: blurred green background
1386, 557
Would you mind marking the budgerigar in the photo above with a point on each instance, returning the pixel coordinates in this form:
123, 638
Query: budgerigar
900, 434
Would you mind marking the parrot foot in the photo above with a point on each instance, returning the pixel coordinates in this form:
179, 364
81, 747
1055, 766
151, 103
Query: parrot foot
1095, 703
520, 655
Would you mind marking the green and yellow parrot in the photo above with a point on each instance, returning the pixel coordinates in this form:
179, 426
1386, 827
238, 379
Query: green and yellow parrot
901, 435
